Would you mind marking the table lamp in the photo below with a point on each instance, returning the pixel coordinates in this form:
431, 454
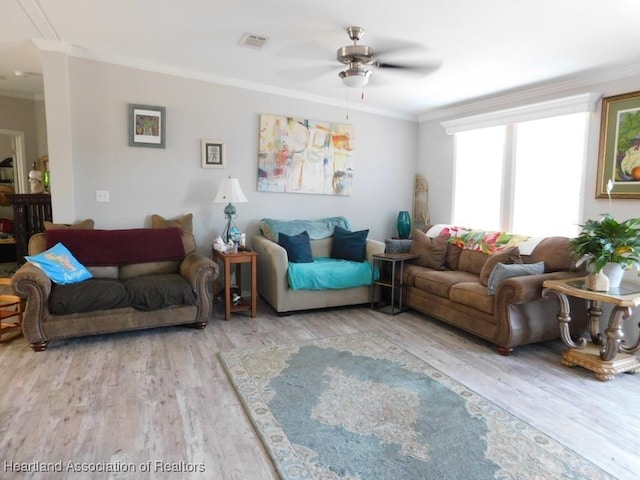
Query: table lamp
230, 192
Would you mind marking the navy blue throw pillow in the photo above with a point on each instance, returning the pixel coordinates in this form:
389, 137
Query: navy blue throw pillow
349, 245
297, 246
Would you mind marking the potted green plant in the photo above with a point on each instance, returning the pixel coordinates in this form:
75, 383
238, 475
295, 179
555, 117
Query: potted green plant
607, 241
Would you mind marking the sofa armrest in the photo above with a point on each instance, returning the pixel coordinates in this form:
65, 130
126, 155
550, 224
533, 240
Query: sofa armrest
195, 266
527, 288
33, 285
273, 264
374, 247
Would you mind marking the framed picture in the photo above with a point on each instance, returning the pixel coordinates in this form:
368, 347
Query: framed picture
619, 155
213, 154
299, 155
147, 126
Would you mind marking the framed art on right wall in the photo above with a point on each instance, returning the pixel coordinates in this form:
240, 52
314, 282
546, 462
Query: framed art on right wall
619, 154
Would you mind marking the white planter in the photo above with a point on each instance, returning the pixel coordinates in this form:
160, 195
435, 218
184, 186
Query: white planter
614, 273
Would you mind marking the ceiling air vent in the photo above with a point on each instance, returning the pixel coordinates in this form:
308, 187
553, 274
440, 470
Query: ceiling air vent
253, 41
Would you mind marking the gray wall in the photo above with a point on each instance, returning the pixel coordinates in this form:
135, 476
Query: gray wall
86, 103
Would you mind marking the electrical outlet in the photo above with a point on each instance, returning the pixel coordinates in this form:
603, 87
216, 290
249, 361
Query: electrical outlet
102, 196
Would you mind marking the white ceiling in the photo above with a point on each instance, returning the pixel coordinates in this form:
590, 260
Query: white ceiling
486, 47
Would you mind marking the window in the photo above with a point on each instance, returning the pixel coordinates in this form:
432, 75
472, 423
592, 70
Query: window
524, 177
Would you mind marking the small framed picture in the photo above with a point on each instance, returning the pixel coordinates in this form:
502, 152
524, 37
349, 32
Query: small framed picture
213, 154
146, 126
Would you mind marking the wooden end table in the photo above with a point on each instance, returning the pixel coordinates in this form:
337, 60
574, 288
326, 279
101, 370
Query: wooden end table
393, 259
236, 259
608, 354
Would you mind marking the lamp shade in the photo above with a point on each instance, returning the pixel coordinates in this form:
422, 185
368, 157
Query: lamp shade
230, 192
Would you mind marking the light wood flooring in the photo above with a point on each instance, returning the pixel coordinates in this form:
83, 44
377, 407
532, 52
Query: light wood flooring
162, 396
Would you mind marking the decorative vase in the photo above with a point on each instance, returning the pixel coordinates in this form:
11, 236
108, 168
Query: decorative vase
404, 224
614, 273
597, 282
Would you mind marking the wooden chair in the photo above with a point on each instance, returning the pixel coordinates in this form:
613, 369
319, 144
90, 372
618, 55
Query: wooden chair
11, 308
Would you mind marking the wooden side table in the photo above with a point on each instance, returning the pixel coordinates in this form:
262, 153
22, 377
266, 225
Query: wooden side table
608, 354
394, 259
236, 259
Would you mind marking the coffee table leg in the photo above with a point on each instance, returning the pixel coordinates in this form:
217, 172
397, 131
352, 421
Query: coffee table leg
614, 333
564, 318
595, 312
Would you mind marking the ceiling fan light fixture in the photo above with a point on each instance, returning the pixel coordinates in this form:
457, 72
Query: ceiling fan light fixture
355, 77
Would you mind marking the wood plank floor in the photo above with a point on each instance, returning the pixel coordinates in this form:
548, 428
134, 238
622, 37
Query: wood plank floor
162, 396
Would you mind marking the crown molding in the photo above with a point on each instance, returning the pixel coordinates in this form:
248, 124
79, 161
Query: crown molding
585, 102
21, 95
88, 54
527, 95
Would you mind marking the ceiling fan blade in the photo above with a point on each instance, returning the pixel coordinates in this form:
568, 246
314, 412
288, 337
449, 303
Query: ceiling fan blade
423, 68
387, 47
308, 51
307, 74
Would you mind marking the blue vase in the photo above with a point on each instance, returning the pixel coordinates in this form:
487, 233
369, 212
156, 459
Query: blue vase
404, 224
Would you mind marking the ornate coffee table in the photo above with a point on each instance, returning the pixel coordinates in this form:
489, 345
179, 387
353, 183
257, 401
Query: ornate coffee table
607, 354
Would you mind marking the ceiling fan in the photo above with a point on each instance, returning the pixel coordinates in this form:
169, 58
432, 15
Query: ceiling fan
358, 57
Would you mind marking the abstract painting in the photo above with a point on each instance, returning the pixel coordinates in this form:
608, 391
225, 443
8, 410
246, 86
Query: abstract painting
305, 156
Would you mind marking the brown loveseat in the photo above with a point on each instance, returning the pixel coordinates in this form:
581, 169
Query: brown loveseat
451, 283
169, 285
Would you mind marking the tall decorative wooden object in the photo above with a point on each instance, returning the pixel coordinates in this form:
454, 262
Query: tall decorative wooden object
420, 202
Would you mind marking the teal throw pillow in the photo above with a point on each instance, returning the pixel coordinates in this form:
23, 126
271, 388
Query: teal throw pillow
298, 247
60, 265
503, 271
349, 245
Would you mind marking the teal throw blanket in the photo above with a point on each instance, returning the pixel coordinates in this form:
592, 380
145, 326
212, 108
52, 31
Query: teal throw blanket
330, 273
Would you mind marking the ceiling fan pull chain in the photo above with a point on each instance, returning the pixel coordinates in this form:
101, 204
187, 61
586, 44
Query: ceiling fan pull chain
347, 98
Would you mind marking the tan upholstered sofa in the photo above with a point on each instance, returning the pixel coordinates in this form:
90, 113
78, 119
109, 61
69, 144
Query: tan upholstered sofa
451, 283
273, 264
125, 295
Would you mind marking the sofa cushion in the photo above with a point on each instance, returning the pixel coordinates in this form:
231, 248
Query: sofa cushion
153, 292
110, 271
472, 261
86, 224
349, 245
430, 252
472, 294
88, 296
320, 228
439, 282
330, 273
60, 265
452, 258
298, 247
554, 252
38, 241
508, 256
184, 223
501, 272
118, 247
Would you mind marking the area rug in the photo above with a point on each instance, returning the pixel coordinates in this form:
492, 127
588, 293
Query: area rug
360, 407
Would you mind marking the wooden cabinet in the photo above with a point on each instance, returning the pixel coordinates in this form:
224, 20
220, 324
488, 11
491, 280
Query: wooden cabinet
30, 210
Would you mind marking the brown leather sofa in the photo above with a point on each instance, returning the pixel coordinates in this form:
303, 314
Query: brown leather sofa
161, 287
516, 314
